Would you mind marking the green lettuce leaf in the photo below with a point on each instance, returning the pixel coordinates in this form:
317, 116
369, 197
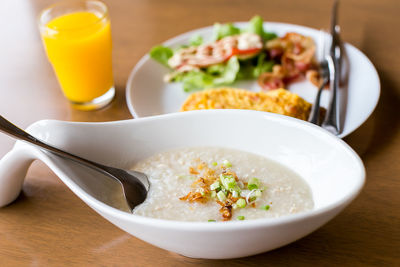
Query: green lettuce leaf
269, 36
252, 68
161, 54
217, 69
223, 30
262, 66
195, 40
213, 76
228, 75
196, 80
256, 26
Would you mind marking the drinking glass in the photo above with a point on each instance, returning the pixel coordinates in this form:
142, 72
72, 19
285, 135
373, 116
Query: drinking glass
77, 39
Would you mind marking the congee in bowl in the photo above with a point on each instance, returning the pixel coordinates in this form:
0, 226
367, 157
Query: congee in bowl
210, 184
175, 216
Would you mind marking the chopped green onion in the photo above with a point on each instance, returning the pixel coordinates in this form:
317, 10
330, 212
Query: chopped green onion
241, 203
223, 178
234, 206
211, 220
214, 163
253, 183
235, 194
252, 186
241, 218
227, 163
221, 196
266, 207
258, 193
216, 185
250, 198
213, 194
229, 183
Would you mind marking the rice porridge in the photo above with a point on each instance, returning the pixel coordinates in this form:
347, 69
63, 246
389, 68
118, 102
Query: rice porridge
220, 184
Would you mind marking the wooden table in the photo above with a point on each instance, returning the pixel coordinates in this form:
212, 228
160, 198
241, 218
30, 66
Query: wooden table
48, 225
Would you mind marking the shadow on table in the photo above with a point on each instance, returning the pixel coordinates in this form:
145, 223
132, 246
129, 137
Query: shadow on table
380, 130
116, 110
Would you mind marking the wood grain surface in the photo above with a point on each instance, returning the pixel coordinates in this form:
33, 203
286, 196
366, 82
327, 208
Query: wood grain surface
49, 226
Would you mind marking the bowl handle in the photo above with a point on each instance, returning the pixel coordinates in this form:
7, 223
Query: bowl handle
13, 168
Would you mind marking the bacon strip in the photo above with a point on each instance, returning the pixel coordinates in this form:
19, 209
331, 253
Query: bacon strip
295, 53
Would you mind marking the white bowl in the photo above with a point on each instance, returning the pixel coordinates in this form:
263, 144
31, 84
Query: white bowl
331, 168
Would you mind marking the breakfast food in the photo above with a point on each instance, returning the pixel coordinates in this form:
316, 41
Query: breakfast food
220, 184
294, 54
243, 45
234, 53
278, 101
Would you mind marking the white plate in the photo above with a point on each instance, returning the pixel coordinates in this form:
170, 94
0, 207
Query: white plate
147, 94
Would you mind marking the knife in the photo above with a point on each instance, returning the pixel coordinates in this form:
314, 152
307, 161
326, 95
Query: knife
332, 118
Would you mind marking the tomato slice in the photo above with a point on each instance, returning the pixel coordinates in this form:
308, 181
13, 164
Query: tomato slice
236, 51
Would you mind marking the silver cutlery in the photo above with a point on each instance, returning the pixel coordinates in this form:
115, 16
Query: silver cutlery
135, 184
324, 73
332, 118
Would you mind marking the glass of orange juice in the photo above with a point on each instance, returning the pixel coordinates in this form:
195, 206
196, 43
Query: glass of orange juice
77, 39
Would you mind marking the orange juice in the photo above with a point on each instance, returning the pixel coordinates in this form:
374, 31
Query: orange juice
78, 45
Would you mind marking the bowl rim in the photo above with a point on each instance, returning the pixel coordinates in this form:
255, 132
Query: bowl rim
101, 207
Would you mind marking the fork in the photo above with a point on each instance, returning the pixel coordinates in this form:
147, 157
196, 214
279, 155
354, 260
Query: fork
324, 74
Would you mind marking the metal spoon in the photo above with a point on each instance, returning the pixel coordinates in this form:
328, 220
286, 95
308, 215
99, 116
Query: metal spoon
135, 184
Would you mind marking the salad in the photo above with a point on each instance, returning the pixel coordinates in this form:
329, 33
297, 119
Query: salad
238, 54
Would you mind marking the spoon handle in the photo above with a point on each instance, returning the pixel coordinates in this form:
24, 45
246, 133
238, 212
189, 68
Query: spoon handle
13, 131
134, 184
